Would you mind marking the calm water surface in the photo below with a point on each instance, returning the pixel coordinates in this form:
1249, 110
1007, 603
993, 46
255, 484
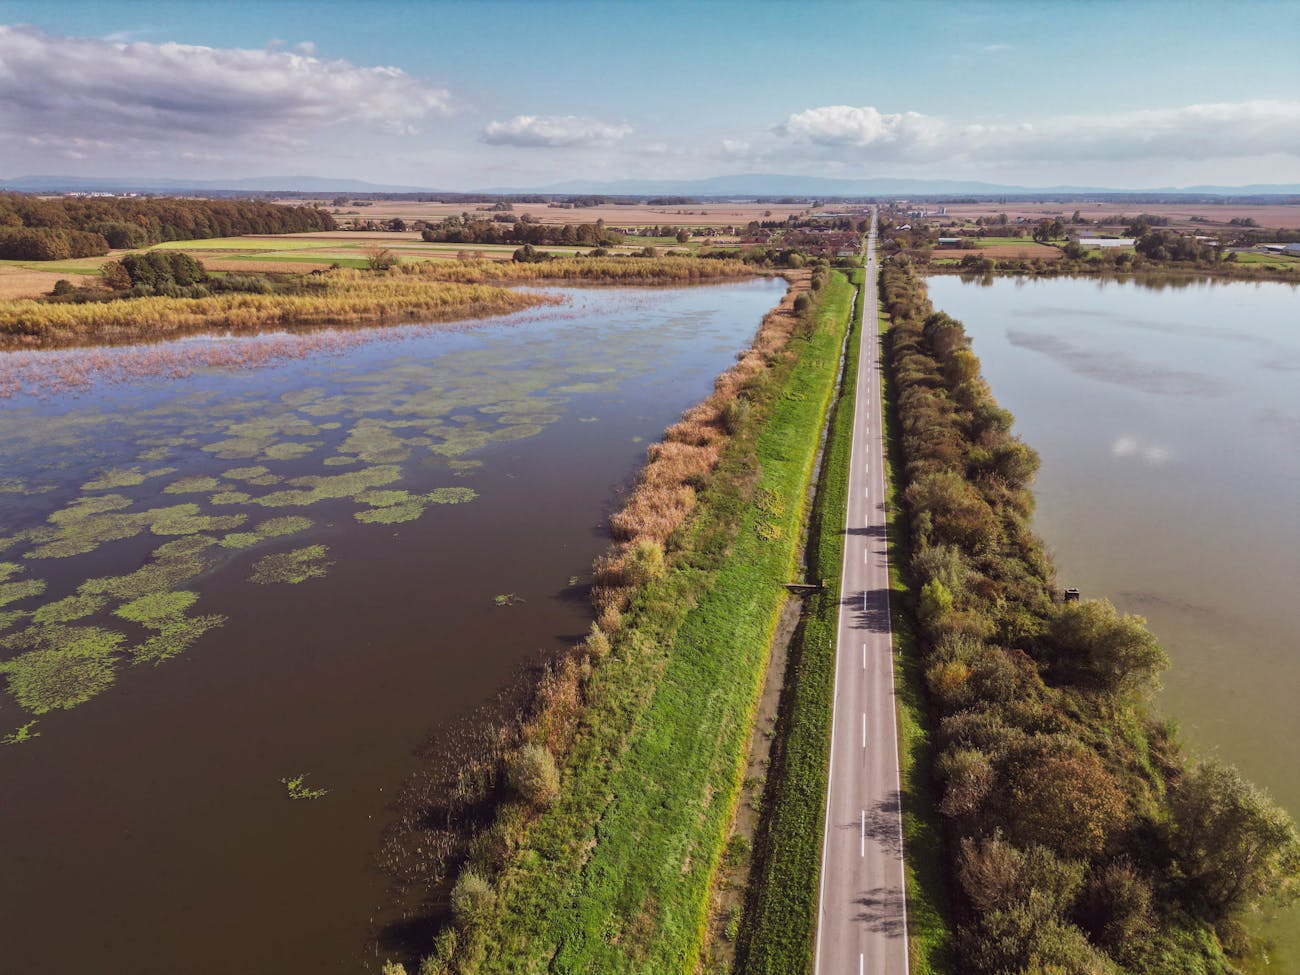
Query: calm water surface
1168, 420
157, 505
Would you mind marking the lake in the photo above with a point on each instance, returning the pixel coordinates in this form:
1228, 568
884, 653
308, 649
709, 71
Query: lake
235, 570
1168, 421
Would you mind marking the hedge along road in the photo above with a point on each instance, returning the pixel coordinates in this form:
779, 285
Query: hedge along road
862, 920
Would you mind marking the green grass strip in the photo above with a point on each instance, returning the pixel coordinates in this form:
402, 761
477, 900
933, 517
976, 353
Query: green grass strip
779, 926
929, 909
616, 876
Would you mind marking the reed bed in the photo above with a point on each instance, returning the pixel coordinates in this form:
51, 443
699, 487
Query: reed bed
664, 495
421, 291
341, 297
595, 270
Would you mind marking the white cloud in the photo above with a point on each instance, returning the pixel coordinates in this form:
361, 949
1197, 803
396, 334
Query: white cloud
844, 125
1220, 130
58, 88
1157, 455
552, 132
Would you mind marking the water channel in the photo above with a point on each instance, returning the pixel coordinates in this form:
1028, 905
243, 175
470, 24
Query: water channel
230, 564
1167, 415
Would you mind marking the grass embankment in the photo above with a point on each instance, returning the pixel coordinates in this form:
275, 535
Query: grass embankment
1078, 838
779, 928
615, 875
780, 918
419, 292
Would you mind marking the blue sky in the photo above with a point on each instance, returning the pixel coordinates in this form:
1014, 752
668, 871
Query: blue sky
458, 95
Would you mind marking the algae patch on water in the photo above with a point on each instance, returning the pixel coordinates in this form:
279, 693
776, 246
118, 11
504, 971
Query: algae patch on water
123, 477
292, 567
195, 484
271, 528
175, 635
12, 592
62, 667
157, 608
70, 608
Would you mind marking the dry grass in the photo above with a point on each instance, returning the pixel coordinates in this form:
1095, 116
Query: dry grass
604, 270
664, 495
19, 282
340, 297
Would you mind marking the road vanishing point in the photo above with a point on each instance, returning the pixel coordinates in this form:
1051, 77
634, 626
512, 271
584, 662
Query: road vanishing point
862, 913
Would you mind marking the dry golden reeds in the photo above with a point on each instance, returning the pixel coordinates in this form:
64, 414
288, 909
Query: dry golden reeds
343, 297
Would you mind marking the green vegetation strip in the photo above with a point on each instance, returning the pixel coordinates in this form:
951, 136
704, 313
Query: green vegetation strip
929, 908
1077, 837
781, 914
615, 876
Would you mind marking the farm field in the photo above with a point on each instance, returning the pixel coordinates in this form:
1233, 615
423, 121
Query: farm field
289, 253
708, 213
996, 247
1266, 215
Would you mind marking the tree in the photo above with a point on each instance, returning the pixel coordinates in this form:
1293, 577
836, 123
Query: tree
1234, 844
1062, 797
1048, 230
379, 258
1114, 652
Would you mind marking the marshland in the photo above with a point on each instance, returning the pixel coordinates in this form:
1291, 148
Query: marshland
246, 578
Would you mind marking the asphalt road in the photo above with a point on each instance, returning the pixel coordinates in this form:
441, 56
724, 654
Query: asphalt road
862, 918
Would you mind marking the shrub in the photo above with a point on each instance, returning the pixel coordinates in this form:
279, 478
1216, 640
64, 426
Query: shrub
597, 643
734, 415
1115, 652
645, 562
1235, 844
472, 899
533, 776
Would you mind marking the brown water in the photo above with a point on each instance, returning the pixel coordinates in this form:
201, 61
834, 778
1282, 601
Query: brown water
147, 828
1168, 420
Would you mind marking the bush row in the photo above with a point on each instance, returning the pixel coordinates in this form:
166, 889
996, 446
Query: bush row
1078, 838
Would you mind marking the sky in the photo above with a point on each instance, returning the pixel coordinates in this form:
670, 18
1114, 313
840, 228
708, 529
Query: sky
467, 95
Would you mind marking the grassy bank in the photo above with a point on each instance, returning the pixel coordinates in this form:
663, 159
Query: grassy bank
780, 917
614, 875
929, 913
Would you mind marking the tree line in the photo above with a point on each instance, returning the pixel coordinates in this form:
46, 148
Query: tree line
36, 229
456, 230
1079, 839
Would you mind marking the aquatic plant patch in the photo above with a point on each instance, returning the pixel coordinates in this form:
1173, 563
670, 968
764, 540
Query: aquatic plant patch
61, 667
175, 635
157, 608
292, 567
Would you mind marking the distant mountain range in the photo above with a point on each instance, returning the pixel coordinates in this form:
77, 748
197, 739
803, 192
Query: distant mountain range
743, 184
